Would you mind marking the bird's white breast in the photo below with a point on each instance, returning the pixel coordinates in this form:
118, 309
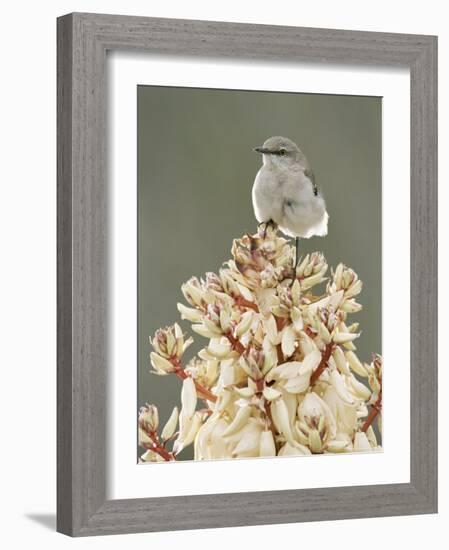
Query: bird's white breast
287, 198
267, 201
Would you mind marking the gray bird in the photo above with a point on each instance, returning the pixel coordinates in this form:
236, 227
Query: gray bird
285, 193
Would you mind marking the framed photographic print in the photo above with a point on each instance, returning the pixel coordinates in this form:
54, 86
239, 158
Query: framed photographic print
247, 277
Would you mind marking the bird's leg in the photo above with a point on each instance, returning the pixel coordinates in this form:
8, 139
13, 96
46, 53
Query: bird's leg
264, 230
266, 225
296, 254
295, 261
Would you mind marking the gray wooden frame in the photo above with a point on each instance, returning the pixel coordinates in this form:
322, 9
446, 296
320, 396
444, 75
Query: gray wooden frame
83, 40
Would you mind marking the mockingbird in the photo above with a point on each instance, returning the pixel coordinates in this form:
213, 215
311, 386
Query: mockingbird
285, 193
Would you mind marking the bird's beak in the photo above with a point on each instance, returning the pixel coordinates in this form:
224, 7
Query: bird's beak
262, 150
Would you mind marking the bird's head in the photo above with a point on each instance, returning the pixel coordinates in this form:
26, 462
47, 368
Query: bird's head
280, 151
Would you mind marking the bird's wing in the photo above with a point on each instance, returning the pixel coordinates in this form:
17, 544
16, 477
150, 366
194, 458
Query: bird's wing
308, 172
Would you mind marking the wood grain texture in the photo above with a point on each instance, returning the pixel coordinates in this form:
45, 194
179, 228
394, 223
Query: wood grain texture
83, 40
64, 275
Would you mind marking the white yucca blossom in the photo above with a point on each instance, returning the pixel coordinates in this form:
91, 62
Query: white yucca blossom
278, 374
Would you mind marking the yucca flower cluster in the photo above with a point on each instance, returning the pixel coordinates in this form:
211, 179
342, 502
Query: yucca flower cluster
278, 374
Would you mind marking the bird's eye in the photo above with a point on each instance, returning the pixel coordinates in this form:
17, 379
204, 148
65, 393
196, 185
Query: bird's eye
282, 152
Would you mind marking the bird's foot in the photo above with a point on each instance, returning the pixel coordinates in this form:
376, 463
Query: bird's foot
263, 228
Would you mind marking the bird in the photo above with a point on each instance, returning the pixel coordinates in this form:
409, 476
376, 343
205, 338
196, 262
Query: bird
285, 193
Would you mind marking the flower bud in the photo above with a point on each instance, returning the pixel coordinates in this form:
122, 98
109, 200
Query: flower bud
324, 333
202, 330
311, 270
244, 324
161, 365
267, 446
311, 281
281, 419
219, 348
169, 342
193, 292
149, 418
340, 361
229, 285
346, 279
170, 426
359, 389
245, 393
188, 397
351, 306
190, 314
361, 443
302, 266
343, 337
294, 449
213, 326
315, 443
297, 320
271, 394
288, 341
240, 419
271, 330
144, 438
213, 282
337, 382
337, 446
355, 364
252, 363
296, 293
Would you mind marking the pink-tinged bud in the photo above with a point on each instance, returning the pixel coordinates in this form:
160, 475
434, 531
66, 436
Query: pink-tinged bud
190, 314
169, 342
193, 292
160, 364
213, 282
148, 418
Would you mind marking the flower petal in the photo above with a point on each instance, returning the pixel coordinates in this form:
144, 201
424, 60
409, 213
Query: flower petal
267, 446
244, 324
240, 419
281, 419
188, 397
355, 364
190, 314
338, 383
294, 450
161, 365
344, 337
361, 443
288, 341
170, 426
271, 394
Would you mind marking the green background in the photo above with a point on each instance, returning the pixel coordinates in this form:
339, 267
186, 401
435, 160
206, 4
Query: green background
196, 168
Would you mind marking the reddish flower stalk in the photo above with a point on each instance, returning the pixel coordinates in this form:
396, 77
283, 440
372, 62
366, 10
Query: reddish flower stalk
241, 302
236, 344
203, 392
375, 410
323, 363
156, 447
309, 332
280, 324
267, 407
279, 354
